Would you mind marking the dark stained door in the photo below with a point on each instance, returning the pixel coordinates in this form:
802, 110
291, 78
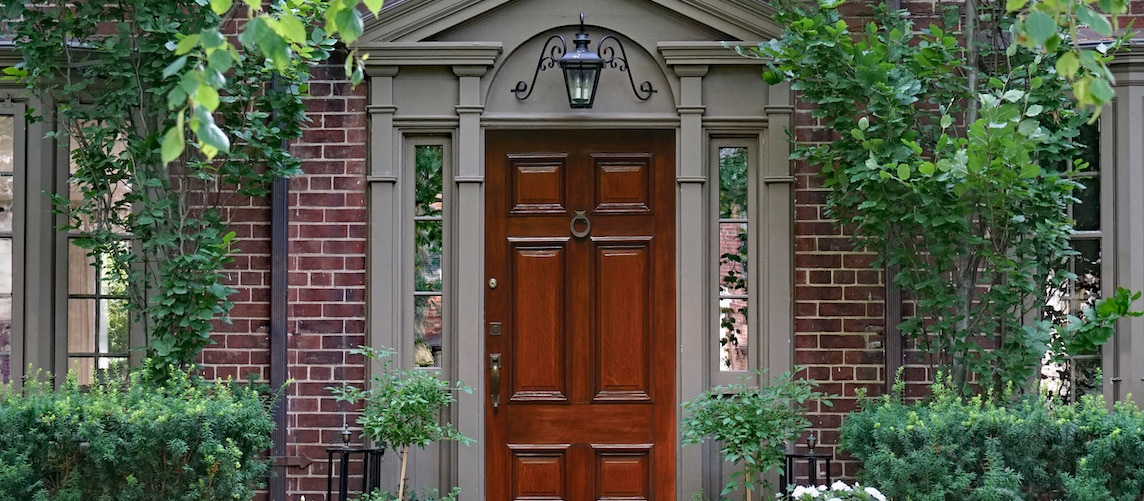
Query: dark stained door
580, 240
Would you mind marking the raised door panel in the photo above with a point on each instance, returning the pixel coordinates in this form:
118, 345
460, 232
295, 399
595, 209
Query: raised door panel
622, 330
536, 183
540, 472
623, 472
623, 182
539, 368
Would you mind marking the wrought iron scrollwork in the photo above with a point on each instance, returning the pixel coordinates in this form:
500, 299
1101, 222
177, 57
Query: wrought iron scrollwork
620, 63
546, 62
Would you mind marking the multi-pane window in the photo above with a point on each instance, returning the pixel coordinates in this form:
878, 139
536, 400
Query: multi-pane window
7, 240
1081, 374
98, 332
428, 242
734, 293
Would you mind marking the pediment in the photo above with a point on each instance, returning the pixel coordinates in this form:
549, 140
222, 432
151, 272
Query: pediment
439, 20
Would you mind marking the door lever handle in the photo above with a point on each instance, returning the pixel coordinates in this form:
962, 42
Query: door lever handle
494, 378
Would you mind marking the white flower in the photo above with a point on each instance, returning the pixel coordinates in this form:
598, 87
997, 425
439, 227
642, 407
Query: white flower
803, 490
839, 485
834, 499
874, 492
822, 488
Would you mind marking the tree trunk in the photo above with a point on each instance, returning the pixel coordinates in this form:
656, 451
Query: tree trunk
401, 482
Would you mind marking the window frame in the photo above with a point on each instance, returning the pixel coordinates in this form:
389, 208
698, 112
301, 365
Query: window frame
20, 210
755, 310
406, 342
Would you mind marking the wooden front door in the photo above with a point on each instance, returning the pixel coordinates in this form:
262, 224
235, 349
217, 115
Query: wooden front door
580, 330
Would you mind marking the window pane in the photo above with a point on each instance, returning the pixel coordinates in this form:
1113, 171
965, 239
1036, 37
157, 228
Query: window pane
6, 182
1087, 212
732, 258
116, 340
733, 183
733, 334
427, 256
1087, 265
82, 322
81, 273
5, 339
429, 185
6, 265
7, 142
427, 325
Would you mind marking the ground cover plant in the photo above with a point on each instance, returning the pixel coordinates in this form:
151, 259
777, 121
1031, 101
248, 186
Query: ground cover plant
950, 448
188, 440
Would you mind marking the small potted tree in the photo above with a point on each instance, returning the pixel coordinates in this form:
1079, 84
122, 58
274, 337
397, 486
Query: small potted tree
402, 409
752, 424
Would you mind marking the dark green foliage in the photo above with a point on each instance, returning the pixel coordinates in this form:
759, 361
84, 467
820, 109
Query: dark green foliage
959, 172
751, 423
185, 441
113, 71
990, 448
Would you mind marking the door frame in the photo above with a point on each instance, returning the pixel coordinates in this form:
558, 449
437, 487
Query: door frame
665, 414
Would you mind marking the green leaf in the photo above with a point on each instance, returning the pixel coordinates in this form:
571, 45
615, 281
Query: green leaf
903, 172
1034, 110
946, 121
1095, 21
1040, 27
254, 5
221, 7
173, 143
187, 44
1015, 5
1030, 171
207, 97
374, 6
292, 29
175, 66
1068, 64
1101, 90
927, 168
864, 123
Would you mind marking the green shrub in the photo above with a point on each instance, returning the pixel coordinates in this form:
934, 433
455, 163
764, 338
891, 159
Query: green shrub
950, 448
184, 441
751, 423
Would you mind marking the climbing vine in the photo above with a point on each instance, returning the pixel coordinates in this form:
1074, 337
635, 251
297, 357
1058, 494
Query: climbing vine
130, 84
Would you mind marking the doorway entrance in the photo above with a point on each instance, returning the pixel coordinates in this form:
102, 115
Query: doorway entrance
580, 313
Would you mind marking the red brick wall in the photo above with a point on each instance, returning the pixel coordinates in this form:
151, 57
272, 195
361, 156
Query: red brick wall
326, 298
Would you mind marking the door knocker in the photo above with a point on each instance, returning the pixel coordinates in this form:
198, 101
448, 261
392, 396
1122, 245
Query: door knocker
576, 220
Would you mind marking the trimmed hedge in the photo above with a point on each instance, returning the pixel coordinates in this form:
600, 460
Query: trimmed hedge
184, 441
951, 448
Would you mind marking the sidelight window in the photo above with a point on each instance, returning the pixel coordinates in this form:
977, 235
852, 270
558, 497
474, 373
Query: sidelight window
732, 255
428, 249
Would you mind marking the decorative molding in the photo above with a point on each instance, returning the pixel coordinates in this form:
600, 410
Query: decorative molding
580, 121
469, 179
471, 70
778, 109
381, 109
405, 122
691, 110
469, 108
718, 124
457, 54
691, 70
690, 180
381, 179
778, 179
706, 53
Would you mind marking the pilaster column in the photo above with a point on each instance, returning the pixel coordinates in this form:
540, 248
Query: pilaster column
694, 292
383, 302
469, 249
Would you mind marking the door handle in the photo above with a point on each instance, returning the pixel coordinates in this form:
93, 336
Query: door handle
494, 378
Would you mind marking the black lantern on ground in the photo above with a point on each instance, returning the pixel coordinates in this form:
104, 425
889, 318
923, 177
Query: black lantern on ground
582, 68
